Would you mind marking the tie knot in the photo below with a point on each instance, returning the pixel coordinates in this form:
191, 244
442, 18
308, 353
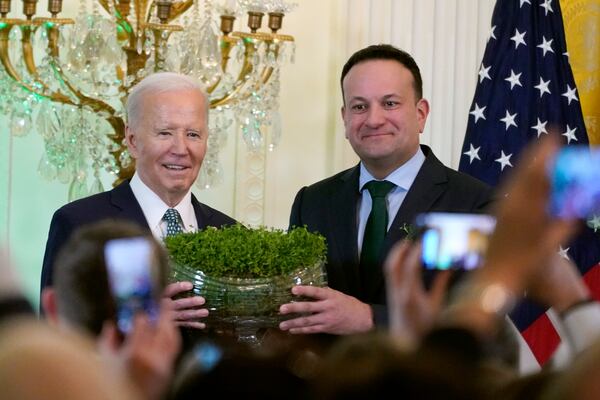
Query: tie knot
379, 188
171, 215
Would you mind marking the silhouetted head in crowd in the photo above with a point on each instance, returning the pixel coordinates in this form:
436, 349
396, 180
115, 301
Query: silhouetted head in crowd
528, 387
227, 369
373, 367
581, 380
81, 296
39, 362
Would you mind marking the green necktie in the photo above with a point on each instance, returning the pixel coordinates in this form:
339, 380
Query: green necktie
376, 227
172, 219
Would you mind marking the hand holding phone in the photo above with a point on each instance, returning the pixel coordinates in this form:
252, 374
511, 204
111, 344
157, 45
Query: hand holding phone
454, 240
132, 273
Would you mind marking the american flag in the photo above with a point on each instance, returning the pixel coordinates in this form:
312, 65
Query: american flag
525, 89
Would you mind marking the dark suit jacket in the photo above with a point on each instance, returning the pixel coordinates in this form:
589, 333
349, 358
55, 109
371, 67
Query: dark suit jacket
119, 203
330, 207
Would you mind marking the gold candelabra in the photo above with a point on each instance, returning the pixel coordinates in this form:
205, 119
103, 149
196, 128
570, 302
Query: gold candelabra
69, 79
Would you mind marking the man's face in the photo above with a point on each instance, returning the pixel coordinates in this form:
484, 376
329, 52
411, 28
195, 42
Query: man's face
382, 116
170, 142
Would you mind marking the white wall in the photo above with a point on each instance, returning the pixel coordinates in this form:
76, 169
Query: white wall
447, 38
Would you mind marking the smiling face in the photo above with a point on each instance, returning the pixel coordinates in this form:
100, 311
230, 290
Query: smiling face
169, 143
382, 115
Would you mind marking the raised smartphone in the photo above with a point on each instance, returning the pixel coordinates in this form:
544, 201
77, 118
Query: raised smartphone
132, 270
454, 240
575, 182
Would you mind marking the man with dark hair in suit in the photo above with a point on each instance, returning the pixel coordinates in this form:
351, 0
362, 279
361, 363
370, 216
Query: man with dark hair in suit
167, 135
364, 210
82, 299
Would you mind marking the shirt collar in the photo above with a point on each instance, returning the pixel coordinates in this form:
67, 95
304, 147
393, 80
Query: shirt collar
402, 177
154, 207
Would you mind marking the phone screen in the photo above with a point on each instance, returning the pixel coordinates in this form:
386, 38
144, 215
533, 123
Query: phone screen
131, 266
454, 240
575, 182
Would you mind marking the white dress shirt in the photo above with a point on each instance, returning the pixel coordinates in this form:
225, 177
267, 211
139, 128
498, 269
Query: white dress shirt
154, 208
403, 177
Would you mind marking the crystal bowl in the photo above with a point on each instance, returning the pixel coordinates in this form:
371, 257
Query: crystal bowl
242, 306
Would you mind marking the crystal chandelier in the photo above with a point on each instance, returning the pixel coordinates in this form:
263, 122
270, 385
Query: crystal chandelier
69, 80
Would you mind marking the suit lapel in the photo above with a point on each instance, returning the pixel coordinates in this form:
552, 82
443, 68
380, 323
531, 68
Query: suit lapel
427, 187
123, 198
203, 215
342, 223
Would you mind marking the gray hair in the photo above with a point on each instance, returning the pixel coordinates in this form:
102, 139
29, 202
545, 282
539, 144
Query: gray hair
155, 84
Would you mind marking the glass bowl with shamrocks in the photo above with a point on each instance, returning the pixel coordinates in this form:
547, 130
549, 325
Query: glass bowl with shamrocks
245, 274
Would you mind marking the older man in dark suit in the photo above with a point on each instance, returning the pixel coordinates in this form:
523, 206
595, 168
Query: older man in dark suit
364, 210
167, 135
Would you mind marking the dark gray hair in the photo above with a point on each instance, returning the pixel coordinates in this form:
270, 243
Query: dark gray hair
155, 84
385, 52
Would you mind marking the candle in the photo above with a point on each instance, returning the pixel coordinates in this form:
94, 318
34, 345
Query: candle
4, 7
